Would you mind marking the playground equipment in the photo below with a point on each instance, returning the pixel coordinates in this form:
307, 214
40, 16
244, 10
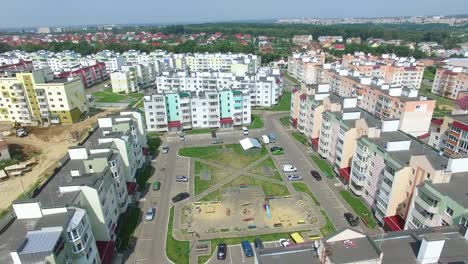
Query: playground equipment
266, 206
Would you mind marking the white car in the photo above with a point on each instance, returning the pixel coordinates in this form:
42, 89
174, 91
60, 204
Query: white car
294, 177
150, 213
245, 131
284, 242
289, 168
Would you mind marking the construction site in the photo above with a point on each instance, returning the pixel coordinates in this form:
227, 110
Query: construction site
50, 144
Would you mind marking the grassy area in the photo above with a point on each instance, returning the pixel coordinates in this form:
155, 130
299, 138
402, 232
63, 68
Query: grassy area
359, 208
285, 121
154, 142
270, 189
216, 175
198, 131
128, 223
213, 196
323, 166
290, 78
444, 105
238, 240
143, 176
177, 251
232, 154
284, 104
107, 96
429, 73
329, 227
301, 138
267, 163
257, 122
302, 187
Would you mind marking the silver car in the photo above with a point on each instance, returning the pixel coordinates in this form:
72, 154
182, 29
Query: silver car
150, 213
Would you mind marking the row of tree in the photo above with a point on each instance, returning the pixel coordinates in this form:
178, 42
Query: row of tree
402, 51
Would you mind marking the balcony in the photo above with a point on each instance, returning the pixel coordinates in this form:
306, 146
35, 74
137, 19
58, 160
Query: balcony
428, 206
425, 218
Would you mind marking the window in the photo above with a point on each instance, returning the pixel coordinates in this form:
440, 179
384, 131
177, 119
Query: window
449, 211
90, 167
464, 221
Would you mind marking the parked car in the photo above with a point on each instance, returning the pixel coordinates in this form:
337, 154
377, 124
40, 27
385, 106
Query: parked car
258, 244
107, 85
165, 149
316, 175
247, 248
265, 139
294, 177
284, 242
289, 168
181, 137
181, 196
21, 132
353, 221
181, 179
156, 186
150, 214
217, 141
245, 131
277, 151
222, 250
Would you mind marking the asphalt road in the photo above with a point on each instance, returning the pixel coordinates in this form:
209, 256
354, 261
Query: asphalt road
150, 247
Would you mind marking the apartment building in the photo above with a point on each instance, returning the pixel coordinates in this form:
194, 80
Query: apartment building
265, 87
132, 78
73, 217
58, 62
302, 39
439, 204
113, 61
386, 170
339, 132
451, 82
400, 71
172, 112
33, 97
304, 67
90, 75
383, 100
450, 135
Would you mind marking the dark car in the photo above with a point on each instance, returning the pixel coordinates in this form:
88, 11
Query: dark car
247, 248
353, 221
316, 175
180, 197
258, 244
222, 250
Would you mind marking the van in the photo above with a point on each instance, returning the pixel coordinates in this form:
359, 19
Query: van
265, 139
296, 238
247, 248
245, 131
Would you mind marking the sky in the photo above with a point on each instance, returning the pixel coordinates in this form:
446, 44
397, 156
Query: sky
34, 13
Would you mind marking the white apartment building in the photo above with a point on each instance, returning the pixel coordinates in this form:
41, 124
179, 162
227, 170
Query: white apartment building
265, 87
132, 78
305, 67
114, 61
172, 112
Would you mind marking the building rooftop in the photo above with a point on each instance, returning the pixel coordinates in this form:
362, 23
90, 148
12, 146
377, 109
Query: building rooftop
305, 254
455, 189
460, 118
353, 250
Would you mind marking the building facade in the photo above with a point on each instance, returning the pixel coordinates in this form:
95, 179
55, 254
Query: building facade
451, 82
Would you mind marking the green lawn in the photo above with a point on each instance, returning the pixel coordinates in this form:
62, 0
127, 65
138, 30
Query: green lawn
323, 166
443, 105
257, 122
107, 96
238, 240
127, 224
301, 138
286, 121
213, 196
290, 78
143, 176
267, 163
216, 175
284, 104
329, 227
232, 154
359, 208
270, 189
429, 73
302, 187
198, 131
177, 251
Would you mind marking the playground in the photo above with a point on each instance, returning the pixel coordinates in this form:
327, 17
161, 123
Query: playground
247, 208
